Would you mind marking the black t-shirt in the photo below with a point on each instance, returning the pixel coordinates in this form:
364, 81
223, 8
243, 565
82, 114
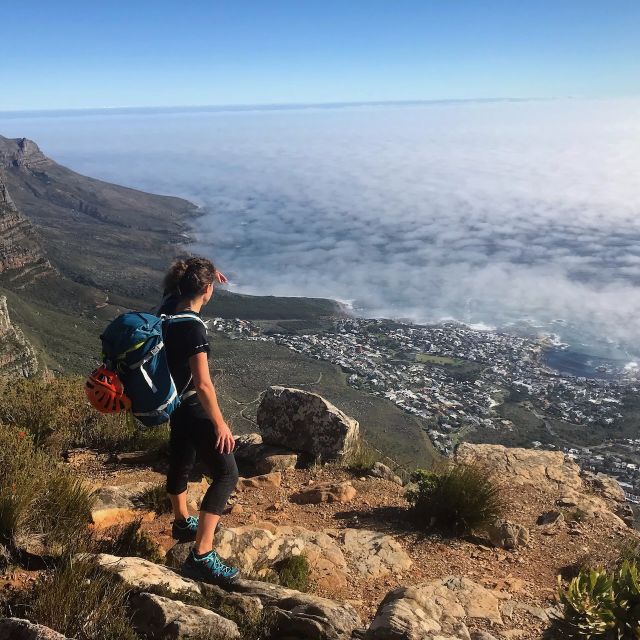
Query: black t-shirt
182, 340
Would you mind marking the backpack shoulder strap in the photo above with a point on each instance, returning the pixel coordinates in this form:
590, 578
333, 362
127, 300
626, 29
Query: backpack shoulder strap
185, 316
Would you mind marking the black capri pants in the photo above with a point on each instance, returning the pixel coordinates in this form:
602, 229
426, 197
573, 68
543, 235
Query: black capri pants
193, 438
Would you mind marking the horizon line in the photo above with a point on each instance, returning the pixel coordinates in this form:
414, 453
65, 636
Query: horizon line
276, 106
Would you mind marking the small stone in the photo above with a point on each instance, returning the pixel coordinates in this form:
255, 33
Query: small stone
549, 518
236, 509
379, 470
508, 535
266, 481
325, 492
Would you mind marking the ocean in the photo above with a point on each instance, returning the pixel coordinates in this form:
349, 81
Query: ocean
489, 212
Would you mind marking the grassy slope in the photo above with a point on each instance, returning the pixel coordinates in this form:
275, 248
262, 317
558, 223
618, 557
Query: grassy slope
244, 369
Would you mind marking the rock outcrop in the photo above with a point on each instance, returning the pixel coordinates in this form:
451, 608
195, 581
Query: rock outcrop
435, 610
20, 248
17, 355
162, 618
306, 422
19, 629
257, 549
599, 496
298, 615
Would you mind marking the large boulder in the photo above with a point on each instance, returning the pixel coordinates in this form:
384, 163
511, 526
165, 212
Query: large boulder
435, 610
19, 629
302, 615
162, 618
306, 422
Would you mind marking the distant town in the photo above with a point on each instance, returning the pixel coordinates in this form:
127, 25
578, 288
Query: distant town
455, 378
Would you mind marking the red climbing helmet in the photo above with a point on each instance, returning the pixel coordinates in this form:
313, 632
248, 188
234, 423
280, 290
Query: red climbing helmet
105, 391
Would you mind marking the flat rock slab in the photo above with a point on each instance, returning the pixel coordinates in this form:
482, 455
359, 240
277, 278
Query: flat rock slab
325, 492
141, 574
374, 554
306, 422
264, 458
19, 629
257, 550
321, 618
435, 610
118, 504
161, 618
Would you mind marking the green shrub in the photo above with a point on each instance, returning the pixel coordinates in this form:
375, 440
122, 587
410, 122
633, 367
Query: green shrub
293, 572
588, 606
58, 415
456, 500
156, 499
38, 497
129, 541
361, 458
81, 601
601, 604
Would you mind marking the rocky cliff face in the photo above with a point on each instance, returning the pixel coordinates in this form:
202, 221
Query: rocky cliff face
19, 246
17, 356
23, 153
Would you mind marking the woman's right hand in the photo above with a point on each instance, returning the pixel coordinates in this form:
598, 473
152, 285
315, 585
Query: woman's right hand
225, 441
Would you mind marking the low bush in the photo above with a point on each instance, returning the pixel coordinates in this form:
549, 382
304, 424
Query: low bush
600, 604
156, 499
361, 458
38, 497
293, 573
81, 601
56, 413
129, 541
577, 515
455, 500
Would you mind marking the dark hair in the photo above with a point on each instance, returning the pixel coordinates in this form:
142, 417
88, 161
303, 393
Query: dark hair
188, 278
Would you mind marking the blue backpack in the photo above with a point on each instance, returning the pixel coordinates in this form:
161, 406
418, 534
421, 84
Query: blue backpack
133, 347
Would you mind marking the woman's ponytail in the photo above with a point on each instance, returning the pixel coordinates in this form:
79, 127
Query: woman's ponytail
188, 278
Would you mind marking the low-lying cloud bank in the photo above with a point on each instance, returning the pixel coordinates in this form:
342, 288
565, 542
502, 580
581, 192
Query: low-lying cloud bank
483, 212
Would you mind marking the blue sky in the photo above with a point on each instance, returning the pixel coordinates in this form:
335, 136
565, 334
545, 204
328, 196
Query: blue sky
69, 54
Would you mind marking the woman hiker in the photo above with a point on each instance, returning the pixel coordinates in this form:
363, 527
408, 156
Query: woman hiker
198, 429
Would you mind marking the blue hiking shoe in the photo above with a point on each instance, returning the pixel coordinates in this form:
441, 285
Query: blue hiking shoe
185, 530
209, 568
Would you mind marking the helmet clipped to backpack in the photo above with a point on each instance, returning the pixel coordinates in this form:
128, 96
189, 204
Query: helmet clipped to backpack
135, 375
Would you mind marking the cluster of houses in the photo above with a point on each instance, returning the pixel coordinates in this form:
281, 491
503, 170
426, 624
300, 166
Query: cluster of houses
454, 376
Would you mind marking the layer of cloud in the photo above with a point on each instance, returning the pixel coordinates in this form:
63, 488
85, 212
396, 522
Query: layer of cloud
482, 212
